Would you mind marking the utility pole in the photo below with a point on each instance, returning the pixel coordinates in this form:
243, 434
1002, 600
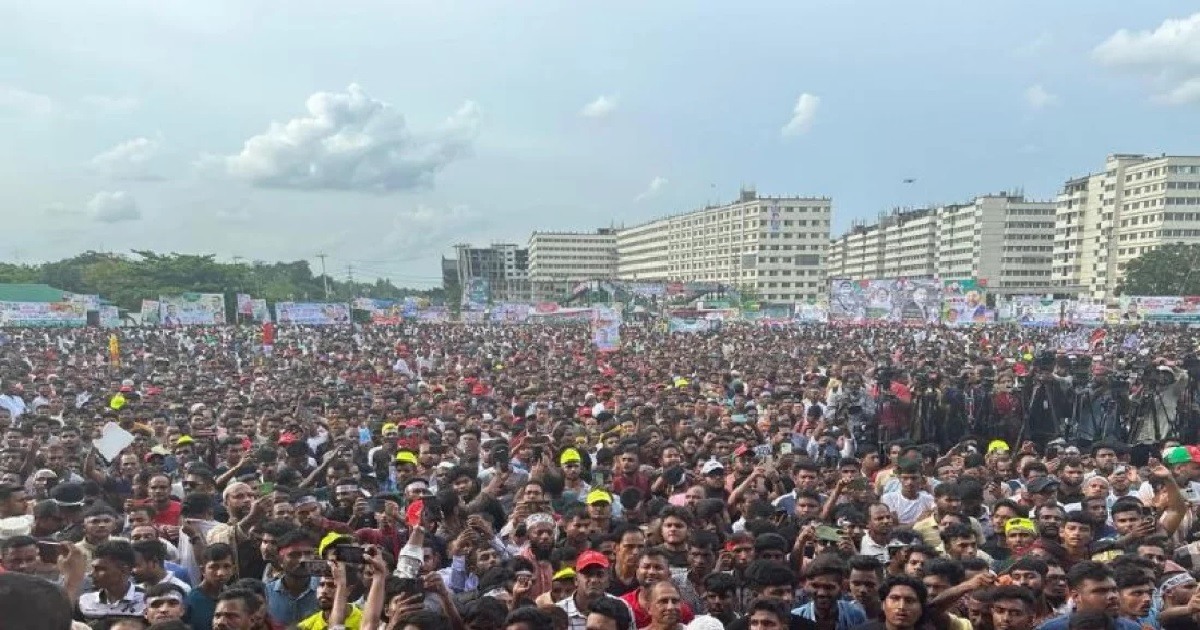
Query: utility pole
324, 278
350, 275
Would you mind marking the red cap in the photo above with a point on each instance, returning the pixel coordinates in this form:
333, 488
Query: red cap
741, 450
591, 559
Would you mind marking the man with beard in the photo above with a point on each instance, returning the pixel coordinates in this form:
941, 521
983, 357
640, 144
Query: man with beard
720, 590
1092, 590
293, 596
880, 522
235, 610
591, 584
823, 579
1013, 608
1049, 520
1070, 480
245, 511
1030, 572
542, 533
332, 587
866, 574
631, 542
653, 569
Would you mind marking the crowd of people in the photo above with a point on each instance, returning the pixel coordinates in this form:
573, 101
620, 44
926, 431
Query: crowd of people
436, 476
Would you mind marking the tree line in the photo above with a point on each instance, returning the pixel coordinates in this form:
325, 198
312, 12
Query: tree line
127, 279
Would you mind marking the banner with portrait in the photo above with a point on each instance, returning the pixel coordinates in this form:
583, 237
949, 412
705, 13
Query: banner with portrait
192, 309
964, 303
910, 301
312, 313
43, 314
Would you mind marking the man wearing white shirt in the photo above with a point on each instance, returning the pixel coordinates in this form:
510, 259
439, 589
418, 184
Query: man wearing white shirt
910, 501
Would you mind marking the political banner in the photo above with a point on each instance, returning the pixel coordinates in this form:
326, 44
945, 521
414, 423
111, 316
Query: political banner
259, 311
89, 302
110, 317
312, 313
606, 329
433, 314
511, 313
471, 317
681, 325
476, 294
1084, 313
964, 303
366, 304
150, 312
43, 314
813, 312
897, 301
1164, 309
192, 309
245, 305
387, 316
1028, 310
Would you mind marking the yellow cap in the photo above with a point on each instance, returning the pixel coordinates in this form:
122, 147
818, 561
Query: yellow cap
568, 456
183, 440
565, 574
598, 496
406, 457
116, 402
1018, 524
389, 427
331, 539
997, 445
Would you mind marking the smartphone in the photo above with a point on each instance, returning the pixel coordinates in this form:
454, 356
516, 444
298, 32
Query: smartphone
785, 448
349, 554
265, 488
49, 551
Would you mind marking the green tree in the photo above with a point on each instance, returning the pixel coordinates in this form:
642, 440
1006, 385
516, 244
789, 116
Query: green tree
1167, 270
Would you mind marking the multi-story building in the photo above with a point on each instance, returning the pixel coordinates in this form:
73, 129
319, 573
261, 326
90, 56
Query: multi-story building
642, 252
1104, 220
900, 245
1003, 238
772, 246
504, 265
558, 261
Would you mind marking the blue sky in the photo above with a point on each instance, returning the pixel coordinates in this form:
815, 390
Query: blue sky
383, 132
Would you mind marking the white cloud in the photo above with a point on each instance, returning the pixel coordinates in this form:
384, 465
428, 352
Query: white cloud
130, 159
1168, 57
424, 231
113, 207
602, 107
111, 103
802, 115
350, 141
656, 185
1182, 94
1037, 97
26, 102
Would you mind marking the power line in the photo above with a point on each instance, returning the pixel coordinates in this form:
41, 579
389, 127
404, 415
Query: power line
324, 278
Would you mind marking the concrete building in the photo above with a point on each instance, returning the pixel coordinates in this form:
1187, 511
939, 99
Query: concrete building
504, 265
1002, 238
772, 246
1104, 220
900, 245
560, 260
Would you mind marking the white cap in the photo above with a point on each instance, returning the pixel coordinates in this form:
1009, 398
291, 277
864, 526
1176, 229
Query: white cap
710, 466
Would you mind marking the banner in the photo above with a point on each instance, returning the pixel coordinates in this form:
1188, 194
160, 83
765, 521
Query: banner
1085, 313
259, 311
471, 317
114, 350
312, 313
606, 329
89, 302
681, 325
964, 302
433, 314
1028, 310
150, 312
1167, 309
192, 309
476, 294
245, 305
389, 316
43, 314
510, 313
897, 301
110, 317
815, 312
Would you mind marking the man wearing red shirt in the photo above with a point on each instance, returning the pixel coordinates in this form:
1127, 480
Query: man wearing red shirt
166, 510
652, 568
629, 475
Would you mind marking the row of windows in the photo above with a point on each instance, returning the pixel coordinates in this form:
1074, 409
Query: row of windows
1037, 212
1023, 272
1183, 185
